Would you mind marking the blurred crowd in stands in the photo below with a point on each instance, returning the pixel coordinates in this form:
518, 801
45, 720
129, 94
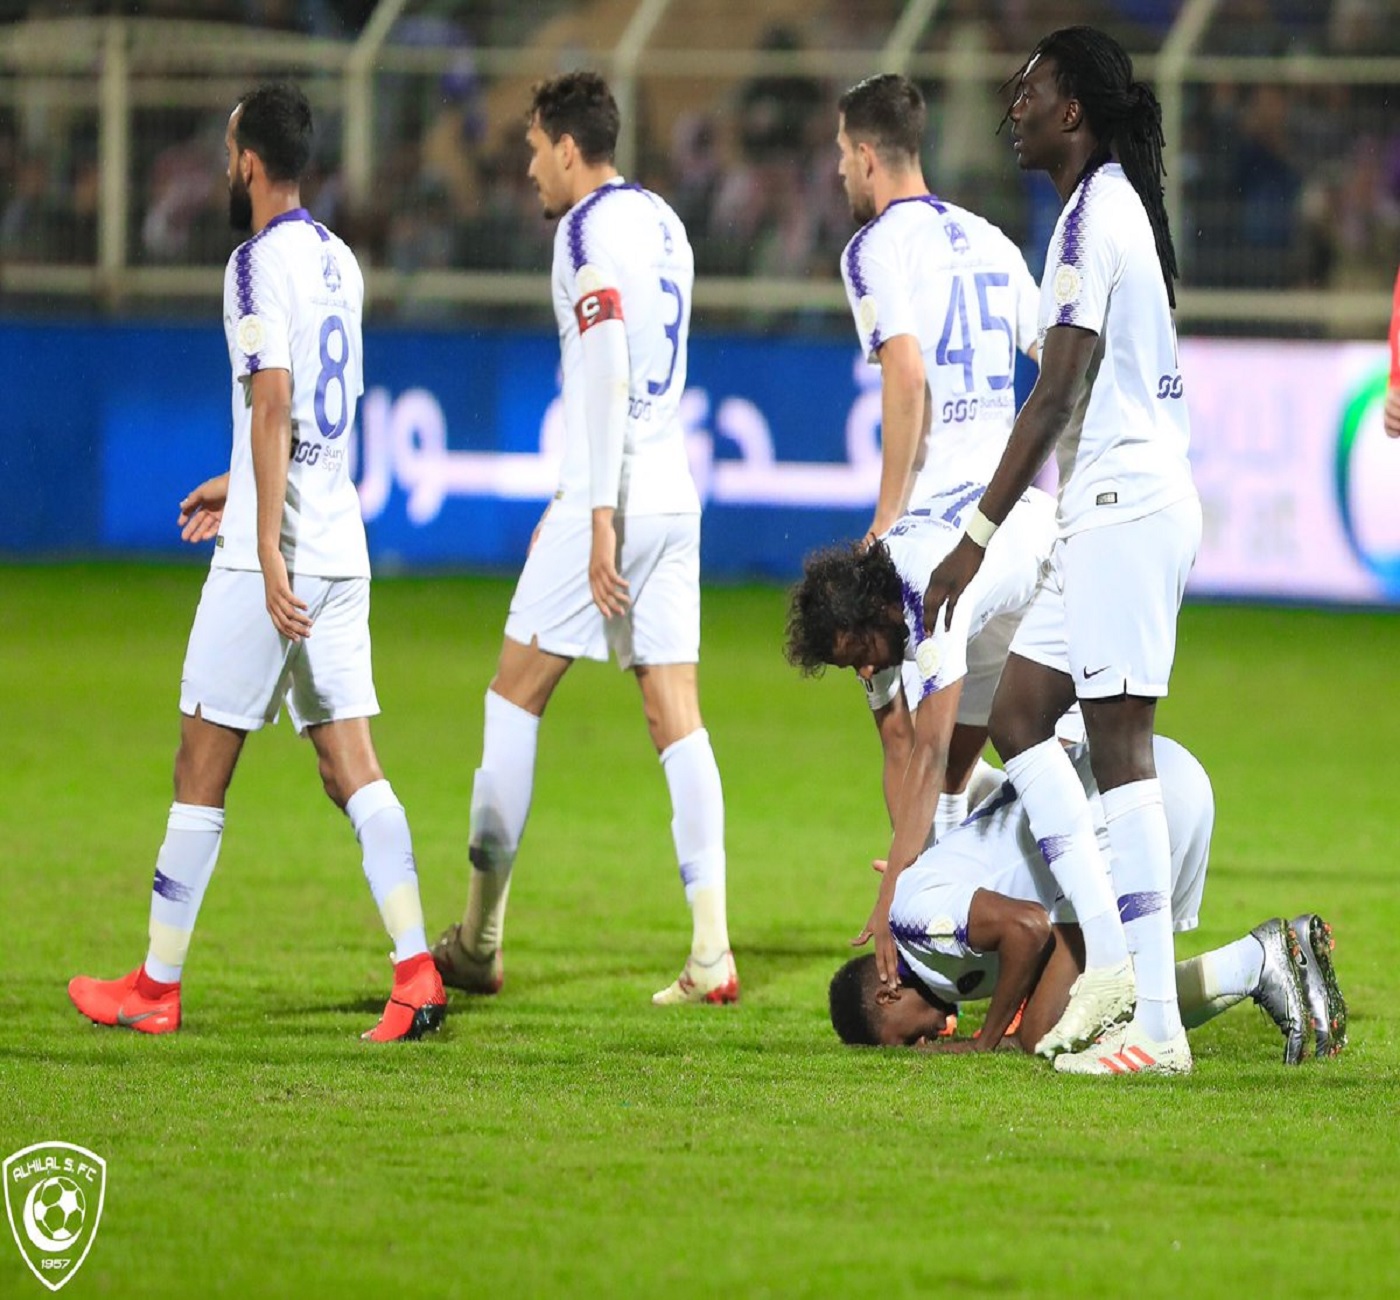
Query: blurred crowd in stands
1285, 184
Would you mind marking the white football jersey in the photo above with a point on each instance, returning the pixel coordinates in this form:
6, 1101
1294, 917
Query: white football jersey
995, 849
623, 249
293, 300
1124, 452
958, 285
1003, 586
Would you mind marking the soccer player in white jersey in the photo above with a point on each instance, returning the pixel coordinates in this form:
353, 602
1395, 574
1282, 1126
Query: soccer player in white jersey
615, 564
942, 301
861, 607
979, 916
284, 615
1103, 625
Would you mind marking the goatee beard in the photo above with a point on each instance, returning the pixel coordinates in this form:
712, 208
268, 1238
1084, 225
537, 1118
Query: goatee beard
240, 208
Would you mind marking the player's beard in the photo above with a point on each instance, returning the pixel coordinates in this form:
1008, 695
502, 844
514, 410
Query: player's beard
240, 206
862, 207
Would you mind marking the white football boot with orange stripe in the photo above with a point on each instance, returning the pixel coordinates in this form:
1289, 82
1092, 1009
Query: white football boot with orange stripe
1126, 1049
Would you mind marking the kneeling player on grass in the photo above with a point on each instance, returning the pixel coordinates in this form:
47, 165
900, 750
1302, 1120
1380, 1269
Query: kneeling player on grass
979, 916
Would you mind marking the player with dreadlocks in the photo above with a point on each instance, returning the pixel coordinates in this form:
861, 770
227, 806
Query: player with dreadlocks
1102, 625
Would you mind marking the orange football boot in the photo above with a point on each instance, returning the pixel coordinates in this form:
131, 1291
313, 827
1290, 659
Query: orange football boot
133, 1002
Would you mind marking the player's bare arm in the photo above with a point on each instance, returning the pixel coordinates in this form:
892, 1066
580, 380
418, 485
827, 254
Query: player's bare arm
1020, 935
1063, 371
904, 418
271, 395
895, 725
1392, 411
202, 510
918, 801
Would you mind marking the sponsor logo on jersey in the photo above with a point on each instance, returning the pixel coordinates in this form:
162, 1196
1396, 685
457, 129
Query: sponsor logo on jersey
1106, 499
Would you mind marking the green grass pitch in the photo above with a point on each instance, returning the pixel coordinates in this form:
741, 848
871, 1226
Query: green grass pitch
567, 1138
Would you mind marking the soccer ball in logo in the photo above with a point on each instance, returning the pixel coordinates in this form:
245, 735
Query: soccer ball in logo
59, 1208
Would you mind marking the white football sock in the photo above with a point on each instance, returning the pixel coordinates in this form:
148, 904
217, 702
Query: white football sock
193, 834
985, 781
1215, 981
381, 826
501, 792
1058, 811
1142, 875
950, 813
697, 828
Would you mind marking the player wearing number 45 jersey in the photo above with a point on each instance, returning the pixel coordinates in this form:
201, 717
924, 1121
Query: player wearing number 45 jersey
615, 563
285, 609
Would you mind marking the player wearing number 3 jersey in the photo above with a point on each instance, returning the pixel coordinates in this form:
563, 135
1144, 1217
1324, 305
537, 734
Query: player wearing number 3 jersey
285, 609
615, 563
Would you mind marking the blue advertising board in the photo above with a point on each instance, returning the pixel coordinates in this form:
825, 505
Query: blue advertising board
457, 443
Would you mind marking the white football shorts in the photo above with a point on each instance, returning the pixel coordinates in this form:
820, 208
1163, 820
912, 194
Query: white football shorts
1105, 611
239, 669
659, 559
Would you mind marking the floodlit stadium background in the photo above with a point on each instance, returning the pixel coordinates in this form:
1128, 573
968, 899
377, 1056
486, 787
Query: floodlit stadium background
1283, 157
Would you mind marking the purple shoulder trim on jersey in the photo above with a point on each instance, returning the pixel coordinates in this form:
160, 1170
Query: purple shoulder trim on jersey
913, 603
574, 221
1071, 242
857, 276
243, 286
1133, 906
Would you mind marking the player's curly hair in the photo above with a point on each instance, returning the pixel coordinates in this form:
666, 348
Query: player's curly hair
1124, 116
275, 123
578, 104
851, 999
844, 589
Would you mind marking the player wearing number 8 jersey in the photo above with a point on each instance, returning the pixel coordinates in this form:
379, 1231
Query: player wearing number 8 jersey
285, 609
615, 563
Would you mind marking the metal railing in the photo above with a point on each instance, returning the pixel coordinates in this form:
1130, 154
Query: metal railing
100, 95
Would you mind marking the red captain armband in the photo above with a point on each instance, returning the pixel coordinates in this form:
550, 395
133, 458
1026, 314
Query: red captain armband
596, 307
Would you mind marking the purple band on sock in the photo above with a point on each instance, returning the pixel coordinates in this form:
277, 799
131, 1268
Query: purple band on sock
174, 890
1053, 847
1132, 907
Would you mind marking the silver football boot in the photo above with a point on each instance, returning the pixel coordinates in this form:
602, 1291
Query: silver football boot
1325, 1002
1282, 989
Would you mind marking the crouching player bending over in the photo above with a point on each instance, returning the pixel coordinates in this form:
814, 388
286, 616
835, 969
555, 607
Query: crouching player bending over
978, 915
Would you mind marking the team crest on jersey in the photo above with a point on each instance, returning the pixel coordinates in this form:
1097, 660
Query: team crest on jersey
867, 313
330, 271
53, 1196
249, 335
927, 658
1066, 284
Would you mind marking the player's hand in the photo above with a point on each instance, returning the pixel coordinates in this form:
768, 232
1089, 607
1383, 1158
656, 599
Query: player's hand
878, 928
1392, 412
950, 579
609, 588
878, 865
286, 609
202, 511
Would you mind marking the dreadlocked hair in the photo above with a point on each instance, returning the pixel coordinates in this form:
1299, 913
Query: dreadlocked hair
844, 589
1124, 116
